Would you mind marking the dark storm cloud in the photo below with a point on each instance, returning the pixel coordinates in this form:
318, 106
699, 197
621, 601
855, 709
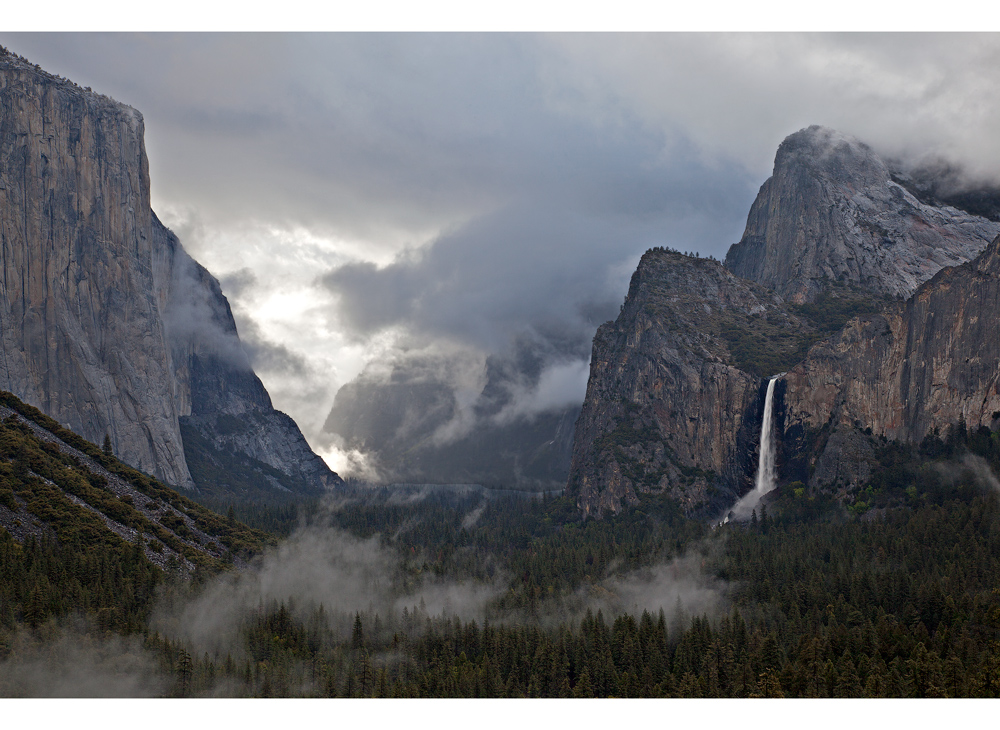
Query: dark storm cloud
737, 95
395, 133
530, 282
350, 132
552, 264
504, 184
354, 133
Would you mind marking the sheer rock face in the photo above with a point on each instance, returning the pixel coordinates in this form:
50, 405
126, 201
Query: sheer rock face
106, 324
82, 335
926, 363
666, 409
672, 405
831, 212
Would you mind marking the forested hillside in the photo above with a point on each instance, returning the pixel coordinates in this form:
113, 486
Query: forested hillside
82, 532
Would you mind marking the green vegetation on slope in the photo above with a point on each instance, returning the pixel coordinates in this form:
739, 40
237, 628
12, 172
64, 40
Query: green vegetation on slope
34, 457
765, 348
834, 308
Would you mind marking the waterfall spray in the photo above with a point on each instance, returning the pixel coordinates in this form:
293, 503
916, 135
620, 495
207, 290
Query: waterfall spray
764, 480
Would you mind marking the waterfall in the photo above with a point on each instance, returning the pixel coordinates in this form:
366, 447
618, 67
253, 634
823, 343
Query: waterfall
764, 480
765, 462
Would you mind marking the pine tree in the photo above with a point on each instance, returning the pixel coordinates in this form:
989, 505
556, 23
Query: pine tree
583, 688
184, 668
357, 634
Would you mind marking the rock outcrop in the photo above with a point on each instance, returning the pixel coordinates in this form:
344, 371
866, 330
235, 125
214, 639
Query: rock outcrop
928, 363
106, 324
235, 441
82, 333
833, 211
673, 404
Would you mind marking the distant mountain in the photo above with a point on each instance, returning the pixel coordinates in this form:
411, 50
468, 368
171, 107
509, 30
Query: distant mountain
411, 423
108, 325
675, 397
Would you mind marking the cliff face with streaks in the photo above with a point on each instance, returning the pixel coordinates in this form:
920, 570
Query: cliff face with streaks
929, 362
106, 324
672, 403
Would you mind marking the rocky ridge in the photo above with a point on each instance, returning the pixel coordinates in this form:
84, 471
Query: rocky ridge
107, 324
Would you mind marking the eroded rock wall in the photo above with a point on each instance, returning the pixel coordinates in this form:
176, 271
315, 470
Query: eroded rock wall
81, 333
930, 362
666, 409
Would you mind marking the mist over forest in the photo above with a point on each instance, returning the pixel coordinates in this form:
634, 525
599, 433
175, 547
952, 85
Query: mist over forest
499, 366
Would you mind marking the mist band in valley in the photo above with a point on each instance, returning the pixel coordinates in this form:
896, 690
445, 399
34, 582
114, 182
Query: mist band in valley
764, 481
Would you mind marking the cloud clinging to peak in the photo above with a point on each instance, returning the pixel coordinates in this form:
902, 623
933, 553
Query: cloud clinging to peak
361, 194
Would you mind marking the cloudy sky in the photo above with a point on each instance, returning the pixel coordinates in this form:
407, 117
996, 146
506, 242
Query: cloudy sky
360, 196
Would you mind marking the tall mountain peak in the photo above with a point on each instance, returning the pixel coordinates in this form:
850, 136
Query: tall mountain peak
824, 152
832, 215
674, 397
865, 297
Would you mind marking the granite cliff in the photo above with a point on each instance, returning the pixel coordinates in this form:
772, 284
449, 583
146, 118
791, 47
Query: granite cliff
928, 363
106, 324
675, 394
833, 211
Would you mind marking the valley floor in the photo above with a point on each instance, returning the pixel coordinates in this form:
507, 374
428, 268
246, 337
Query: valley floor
454, 595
